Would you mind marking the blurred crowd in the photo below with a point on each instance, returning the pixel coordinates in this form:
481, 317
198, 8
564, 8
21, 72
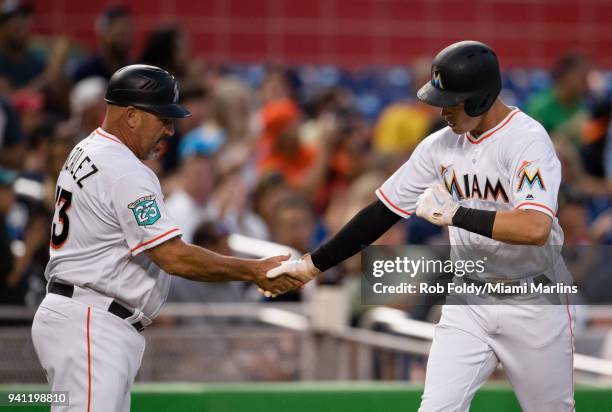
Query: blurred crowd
272, 156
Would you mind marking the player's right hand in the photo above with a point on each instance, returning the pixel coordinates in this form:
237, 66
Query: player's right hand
302, 270
437, 206
276, 286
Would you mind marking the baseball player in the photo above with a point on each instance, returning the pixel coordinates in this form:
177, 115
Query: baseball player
113, 245
492, 176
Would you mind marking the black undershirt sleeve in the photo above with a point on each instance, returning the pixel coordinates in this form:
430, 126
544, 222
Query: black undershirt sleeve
363, 229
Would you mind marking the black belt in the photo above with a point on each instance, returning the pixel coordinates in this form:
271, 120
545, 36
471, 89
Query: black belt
115, 308
538, 280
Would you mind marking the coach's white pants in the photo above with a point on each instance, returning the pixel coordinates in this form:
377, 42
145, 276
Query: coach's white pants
87, 351
533, 343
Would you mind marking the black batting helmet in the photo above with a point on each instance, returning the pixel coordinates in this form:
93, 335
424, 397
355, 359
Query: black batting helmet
146, 87
468, 72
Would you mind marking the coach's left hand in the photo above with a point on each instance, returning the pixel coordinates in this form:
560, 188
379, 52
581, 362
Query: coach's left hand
437, 206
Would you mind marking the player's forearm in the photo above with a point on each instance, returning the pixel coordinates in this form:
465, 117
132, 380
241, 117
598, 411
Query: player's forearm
199, 264
521, 227
363, 229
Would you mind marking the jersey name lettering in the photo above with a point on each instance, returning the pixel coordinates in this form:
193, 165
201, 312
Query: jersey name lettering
80, 166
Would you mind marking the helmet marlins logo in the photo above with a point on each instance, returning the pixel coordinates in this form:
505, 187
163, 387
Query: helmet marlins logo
471, 75
436, 78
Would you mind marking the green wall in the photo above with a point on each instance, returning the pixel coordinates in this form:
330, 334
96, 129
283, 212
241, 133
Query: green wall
319, 397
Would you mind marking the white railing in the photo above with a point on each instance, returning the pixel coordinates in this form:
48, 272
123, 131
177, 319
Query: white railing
328, 351
397, 322
414, 336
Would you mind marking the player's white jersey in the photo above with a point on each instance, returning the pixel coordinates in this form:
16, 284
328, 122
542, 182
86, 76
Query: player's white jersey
511, 166
108, 210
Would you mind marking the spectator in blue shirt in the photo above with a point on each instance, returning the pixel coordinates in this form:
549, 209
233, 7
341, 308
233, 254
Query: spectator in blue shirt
19, 64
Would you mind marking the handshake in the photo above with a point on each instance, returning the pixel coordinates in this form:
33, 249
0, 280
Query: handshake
286, 276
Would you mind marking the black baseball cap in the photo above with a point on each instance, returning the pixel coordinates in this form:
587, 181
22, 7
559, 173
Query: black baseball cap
149, 88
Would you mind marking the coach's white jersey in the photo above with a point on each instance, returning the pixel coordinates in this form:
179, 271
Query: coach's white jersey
109, 209
512, 166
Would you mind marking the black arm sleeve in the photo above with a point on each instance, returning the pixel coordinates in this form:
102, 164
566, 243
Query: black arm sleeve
363, 229
475, 220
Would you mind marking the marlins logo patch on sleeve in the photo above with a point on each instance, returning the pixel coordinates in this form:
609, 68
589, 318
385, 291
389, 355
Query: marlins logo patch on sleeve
145, 210
530, 178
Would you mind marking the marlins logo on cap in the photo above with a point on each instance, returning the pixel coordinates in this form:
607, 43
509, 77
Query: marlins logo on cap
176, 94
436, 79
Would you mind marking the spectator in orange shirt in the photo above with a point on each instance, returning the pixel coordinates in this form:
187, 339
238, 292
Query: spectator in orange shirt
280, 147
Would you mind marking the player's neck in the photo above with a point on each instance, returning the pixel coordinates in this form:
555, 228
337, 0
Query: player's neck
494, 116
122, 135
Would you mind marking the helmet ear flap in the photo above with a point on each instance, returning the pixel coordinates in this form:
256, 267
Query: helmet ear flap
479, 103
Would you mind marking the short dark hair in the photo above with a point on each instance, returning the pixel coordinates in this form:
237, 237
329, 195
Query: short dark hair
160, 48
295, 201
14, 8
111, 14
190, 90
567, 63
208, 233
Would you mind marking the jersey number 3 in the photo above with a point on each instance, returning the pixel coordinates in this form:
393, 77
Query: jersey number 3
63, 201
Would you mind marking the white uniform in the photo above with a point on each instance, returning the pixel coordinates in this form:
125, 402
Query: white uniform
109, 209
512, 166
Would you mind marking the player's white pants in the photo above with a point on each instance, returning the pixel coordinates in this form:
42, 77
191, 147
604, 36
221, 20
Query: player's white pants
87, 351
534, 344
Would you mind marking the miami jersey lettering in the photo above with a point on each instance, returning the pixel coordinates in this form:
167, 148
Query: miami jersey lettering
514, 166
